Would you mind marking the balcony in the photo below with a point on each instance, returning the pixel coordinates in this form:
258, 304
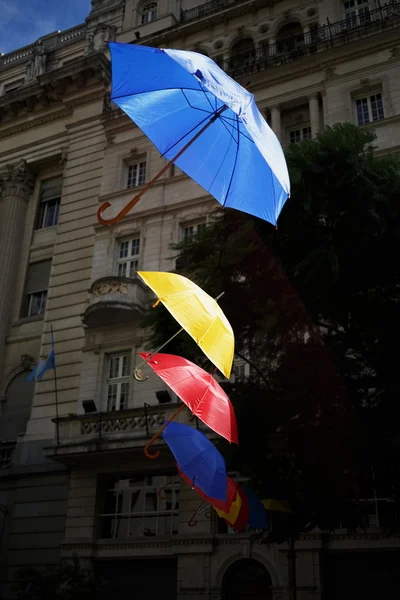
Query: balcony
51, 42
320, 38
115, 300
208, 8
99, 436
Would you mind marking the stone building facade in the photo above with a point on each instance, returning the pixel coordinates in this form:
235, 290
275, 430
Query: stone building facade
80, 484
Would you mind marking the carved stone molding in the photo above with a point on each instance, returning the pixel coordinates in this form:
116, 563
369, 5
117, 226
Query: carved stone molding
26, 361
110, 287
17, 180
97, 38
121, 423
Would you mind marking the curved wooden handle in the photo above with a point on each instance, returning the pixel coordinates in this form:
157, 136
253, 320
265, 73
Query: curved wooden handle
121, 214
153, 439
146, 448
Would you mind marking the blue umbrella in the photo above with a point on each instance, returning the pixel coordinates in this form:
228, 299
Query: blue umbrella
205, 122
257, 513
198, 458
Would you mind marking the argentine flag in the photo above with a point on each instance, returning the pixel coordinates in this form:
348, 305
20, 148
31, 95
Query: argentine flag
44, 364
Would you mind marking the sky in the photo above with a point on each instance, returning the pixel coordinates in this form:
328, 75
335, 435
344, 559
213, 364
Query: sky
22, 22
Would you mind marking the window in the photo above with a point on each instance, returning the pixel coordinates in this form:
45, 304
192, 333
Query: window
12, 86
136, 174
356, 12
133, 508
297, 135
241, 370
128, 257
118, 378
189, 231
49, 204
369, 109
35, 296
289, 38
148, 13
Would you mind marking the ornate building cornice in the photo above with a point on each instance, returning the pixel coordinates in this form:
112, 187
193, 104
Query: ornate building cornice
17, 180
52, 90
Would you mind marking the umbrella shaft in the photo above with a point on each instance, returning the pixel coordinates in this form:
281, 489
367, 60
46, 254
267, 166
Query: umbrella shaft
136, 199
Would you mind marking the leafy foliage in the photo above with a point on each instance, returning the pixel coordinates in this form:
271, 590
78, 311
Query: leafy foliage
70, 581
314, 307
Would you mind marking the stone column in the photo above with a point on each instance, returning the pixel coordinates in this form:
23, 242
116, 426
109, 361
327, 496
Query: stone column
324, 110
314, 114
276, 121
16, 184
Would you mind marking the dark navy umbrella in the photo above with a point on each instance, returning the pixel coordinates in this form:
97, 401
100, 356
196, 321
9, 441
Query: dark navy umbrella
198, 458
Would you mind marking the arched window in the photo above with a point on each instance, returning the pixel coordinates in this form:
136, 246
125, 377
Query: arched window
242, 54
148, 13
17, 408
290, 38
246, 579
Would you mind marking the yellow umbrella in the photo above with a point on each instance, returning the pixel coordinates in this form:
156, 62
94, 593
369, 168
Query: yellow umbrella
197, 313
276, 505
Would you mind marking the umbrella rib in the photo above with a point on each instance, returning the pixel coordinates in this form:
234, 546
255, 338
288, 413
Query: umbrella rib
205, 91
226, 127
222, 161
240, 132
164, 89
195, 107
186, 134
234, 165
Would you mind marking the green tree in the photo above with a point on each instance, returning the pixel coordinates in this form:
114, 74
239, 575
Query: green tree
70, 581
314, 308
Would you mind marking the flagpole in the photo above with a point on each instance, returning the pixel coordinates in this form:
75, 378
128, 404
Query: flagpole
55, 387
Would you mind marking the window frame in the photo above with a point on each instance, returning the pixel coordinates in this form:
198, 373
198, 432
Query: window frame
42, 296
144, 488
367, 96
199, 225
149, 15
139, 178
301, 129
357, 15
41, 293
120, 381
129, 259
41, 214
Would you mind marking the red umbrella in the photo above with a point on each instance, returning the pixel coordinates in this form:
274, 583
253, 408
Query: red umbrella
198, 390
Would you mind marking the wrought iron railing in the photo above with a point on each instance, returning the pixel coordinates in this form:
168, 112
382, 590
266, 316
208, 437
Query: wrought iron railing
207, 8
317, 39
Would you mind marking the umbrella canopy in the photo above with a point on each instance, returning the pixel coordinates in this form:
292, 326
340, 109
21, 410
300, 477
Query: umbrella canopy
257, 515
198, 390
197, 313
217, 504
276, 505
172, 94
198, 458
